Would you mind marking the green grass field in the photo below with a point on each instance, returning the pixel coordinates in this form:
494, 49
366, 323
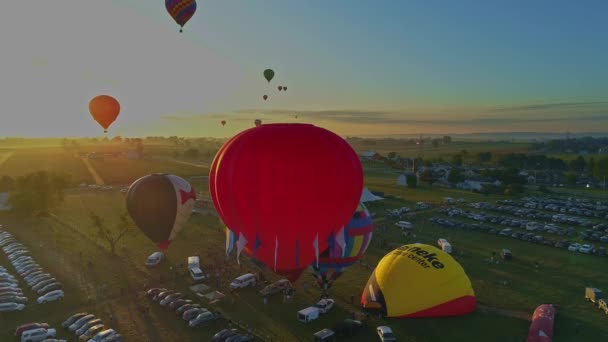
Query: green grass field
69, 248
427, 151
27, 160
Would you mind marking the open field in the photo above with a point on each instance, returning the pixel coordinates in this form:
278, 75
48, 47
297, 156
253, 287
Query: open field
67, 245
23, 161
428, 151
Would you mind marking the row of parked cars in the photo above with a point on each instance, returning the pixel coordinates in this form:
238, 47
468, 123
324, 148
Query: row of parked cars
11, 296
577, 206
193, 313
36, 332
43, 284
88, 328
531, 226
524, 236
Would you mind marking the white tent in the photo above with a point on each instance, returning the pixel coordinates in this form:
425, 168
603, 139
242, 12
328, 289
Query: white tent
367, 196
4, 205
402, 180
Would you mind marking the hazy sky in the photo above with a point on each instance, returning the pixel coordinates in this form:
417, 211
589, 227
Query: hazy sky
354, 66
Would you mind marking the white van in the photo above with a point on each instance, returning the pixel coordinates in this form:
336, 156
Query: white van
36, 335
309, 314
196, 274
404, 225
445, 245
243, 281
154, 259
194, 262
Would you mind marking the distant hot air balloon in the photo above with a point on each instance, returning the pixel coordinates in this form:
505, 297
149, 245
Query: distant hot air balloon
105, 110
345, 248
257, 122
284, 88
296, 116
265, 189
181, 11
419, 280
280, 88
268, 74
223, 122
265, 97
160, 204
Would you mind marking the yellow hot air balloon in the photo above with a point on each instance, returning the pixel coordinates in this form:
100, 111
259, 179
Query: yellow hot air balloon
419, 281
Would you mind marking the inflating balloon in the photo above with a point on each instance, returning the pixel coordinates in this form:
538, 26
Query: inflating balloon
345, 248
181, 11
541, 329
257, 122
265, 97
223, 122
419, 281
105, 110
160, 205
268, 74
265, 184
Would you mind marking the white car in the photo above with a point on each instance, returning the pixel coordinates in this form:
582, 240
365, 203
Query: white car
404, 225
51, 296
385, 333
574, 247
155, 259
197, 274
36, 335
585, 249
324, 305
243, 281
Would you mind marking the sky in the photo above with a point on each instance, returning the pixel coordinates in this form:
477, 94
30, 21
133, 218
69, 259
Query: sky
353, 66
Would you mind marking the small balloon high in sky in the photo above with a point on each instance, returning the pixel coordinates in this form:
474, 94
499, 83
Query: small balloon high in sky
268, 74
105, 110
181, 11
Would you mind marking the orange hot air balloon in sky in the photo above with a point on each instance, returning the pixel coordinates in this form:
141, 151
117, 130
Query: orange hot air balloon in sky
104, 109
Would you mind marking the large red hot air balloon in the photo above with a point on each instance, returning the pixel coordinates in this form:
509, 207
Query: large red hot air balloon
283, 189
105, 110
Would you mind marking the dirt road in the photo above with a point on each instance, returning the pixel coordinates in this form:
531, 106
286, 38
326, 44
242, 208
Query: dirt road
98, 180
5, 157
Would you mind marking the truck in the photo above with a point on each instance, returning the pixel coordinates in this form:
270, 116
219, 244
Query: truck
593, 295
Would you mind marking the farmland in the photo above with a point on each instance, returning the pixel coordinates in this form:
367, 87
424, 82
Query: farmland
68, 246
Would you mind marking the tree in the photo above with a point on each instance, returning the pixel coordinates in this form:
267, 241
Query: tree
578, 164
392, 155
7, 183
428, 176
111, 236
455, 176
571, 179
39, 192
412, 180
457, 160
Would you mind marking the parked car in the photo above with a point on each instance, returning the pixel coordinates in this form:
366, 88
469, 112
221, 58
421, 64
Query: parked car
324, 305
506, 254
155, 259
222, 335
154, 291
585, 249
50, 288
243, 281
197, 274
203, 318
72, 319
178, 303
275, 287
80, 322
404, 225
192, 313
10, 307
43, 283
51, 296
161, 295
180, 311
88, 325
29, 326
593, 295
444, 245
37, 335
385, 333
170, 298
91, 332
103, 336
240, 338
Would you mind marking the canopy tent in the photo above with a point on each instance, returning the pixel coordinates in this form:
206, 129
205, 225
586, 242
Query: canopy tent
367, 196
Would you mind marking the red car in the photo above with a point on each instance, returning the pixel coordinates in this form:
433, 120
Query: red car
29, 326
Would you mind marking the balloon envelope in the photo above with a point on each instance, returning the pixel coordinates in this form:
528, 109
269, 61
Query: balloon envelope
181, 10
223, 122
283, 189
419, 281
345, 248
268, 74
265, 97
160, 204
541, 329
105, 110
